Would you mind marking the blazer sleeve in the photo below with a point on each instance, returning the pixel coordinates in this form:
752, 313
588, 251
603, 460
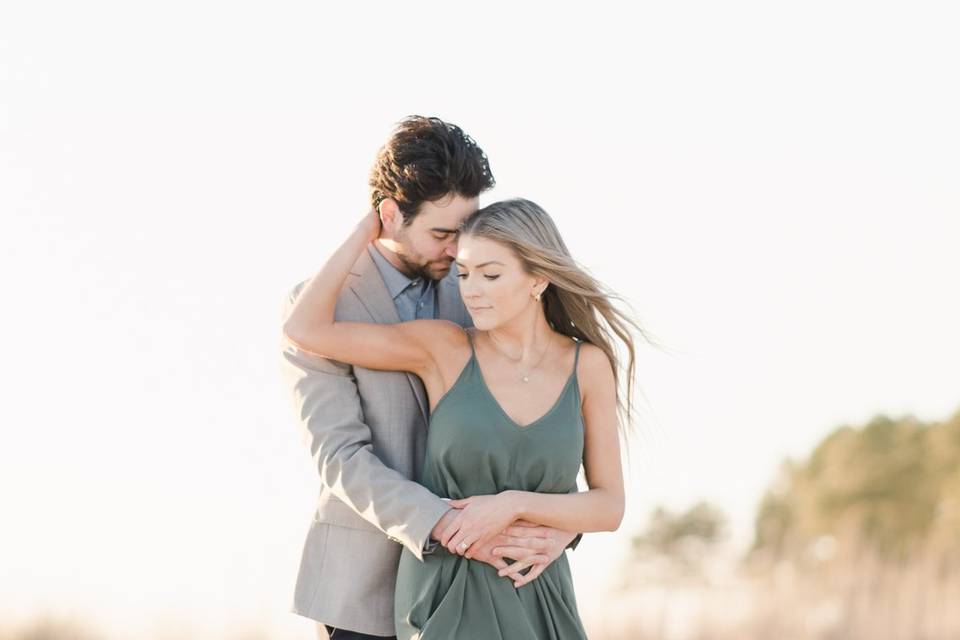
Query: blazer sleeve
327, 403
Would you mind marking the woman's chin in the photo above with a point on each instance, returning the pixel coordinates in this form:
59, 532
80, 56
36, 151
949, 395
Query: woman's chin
482, 322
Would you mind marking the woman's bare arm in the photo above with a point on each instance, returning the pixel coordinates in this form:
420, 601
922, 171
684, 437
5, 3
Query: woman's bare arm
598, 509
601, 507
405, 346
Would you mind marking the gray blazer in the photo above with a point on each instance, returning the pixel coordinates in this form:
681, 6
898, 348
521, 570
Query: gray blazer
367, 433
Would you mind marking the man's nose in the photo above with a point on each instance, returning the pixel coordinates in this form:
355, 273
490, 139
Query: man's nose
451, 249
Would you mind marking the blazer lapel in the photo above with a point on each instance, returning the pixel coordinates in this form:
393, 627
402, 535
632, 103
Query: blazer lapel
369, 287
372, 292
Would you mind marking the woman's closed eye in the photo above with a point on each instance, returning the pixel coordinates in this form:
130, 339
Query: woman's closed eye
488, 276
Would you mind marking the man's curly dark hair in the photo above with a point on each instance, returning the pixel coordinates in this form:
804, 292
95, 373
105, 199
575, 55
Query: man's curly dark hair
424, 160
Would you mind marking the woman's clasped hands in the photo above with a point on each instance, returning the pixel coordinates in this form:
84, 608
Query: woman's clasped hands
481, 518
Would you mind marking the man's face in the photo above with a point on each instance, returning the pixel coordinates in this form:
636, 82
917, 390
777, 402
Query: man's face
428, 244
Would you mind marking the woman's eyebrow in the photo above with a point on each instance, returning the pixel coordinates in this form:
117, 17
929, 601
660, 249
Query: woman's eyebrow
484, 264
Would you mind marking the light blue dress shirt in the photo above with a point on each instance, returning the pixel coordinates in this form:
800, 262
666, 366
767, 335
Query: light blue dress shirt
415, 299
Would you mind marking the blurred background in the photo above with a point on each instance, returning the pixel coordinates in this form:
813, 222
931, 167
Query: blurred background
773, 187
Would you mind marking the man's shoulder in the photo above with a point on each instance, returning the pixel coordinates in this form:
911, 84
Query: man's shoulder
345, 299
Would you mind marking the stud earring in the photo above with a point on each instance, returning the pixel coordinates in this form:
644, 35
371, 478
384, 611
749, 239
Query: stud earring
536, 296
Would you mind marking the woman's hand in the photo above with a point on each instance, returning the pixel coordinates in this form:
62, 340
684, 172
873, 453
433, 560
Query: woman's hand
480, 519
369, 225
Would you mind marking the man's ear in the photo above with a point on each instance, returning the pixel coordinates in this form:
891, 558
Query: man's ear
390, 216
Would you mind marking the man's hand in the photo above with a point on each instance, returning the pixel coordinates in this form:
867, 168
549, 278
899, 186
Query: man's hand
485, 553
530, 546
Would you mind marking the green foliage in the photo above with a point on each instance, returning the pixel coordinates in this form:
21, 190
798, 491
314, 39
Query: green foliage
889, 485
682, 535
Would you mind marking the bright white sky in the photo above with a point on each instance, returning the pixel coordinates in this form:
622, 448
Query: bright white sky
773, 187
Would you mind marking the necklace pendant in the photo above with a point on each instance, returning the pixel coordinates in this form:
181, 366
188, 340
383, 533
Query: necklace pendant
526, 378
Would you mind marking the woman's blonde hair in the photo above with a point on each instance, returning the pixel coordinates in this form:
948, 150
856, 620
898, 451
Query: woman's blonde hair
575, 303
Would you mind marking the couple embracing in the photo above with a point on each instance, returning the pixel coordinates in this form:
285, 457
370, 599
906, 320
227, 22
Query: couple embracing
454, 368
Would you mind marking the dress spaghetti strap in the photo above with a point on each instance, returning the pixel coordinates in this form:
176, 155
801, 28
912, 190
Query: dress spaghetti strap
474, 448
576, 356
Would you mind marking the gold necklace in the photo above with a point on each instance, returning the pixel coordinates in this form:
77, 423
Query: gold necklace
524, 376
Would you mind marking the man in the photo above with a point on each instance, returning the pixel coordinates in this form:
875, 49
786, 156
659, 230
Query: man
367, 429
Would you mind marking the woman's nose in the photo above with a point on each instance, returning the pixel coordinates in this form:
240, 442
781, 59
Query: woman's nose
467, 288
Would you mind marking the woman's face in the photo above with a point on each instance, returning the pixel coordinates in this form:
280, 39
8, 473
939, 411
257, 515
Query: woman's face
493, 284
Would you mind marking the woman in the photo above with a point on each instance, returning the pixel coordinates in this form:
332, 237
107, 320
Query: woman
517, 405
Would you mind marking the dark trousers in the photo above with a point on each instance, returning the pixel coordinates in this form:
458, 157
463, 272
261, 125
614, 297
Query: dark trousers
343, 634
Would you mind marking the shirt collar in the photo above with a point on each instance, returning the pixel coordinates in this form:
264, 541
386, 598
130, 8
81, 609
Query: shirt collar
396, 281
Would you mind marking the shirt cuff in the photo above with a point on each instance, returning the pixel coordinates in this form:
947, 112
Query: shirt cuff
422, 544
431, 545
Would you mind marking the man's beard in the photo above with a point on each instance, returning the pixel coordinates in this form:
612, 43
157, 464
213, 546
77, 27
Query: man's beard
416, 270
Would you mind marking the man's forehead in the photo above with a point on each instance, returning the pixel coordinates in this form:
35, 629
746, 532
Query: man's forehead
447, 212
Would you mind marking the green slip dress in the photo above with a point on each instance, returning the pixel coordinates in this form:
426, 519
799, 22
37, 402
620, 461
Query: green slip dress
474, 448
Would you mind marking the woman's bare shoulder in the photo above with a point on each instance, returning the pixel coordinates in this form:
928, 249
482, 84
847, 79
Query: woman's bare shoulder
594, 371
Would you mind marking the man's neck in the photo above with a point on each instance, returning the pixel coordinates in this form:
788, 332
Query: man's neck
385, 247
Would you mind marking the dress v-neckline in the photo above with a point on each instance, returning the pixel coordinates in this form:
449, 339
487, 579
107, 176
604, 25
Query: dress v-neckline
503, 412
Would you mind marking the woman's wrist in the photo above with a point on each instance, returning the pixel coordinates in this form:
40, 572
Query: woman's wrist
516, 503
368, 229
